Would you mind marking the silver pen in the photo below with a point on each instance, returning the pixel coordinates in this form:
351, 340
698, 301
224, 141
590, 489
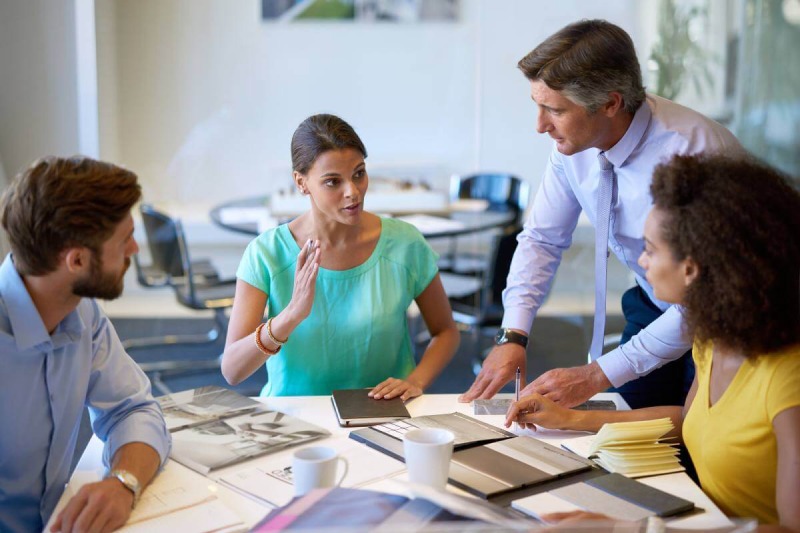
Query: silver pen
517, 382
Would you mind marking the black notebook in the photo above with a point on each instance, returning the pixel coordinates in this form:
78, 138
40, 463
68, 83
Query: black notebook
487, 460
659, 502
614, 495
354, 408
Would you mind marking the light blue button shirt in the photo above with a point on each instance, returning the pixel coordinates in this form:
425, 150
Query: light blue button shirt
660, 129
45, 383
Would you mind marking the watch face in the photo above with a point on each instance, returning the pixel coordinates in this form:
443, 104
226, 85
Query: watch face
500, 337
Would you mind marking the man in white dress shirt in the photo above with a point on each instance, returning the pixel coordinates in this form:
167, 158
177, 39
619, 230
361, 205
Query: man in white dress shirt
586, 82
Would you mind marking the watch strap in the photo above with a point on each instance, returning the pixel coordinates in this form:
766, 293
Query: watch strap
506, 335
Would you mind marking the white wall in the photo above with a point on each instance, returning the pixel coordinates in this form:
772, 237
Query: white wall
38, 81
200, 97
510, 29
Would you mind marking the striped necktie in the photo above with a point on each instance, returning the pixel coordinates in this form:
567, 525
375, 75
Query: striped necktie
604, 198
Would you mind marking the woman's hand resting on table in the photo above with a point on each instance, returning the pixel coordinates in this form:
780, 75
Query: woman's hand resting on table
574, 517
537, 410
305, 280
393, 387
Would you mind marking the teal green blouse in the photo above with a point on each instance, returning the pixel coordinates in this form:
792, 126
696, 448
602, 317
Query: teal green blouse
356, 335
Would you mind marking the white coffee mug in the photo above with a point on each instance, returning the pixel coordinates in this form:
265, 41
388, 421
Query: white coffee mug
427, 453
315, 467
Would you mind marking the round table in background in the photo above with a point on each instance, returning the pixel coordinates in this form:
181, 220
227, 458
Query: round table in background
468, 221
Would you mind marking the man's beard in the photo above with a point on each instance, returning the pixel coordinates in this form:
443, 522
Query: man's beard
105, 286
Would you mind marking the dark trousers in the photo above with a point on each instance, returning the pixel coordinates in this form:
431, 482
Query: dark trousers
667, 385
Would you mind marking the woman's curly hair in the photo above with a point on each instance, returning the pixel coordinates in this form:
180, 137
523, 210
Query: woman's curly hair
739, 220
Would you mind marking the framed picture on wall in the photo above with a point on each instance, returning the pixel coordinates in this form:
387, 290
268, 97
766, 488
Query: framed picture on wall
398, 11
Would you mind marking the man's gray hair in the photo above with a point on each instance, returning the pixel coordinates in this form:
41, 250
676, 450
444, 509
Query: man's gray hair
586, 61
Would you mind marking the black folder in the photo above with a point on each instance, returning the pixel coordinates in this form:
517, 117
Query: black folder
354, 408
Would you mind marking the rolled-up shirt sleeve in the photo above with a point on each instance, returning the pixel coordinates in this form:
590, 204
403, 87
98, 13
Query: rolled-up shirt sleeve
121, 406
663, 340
546, 234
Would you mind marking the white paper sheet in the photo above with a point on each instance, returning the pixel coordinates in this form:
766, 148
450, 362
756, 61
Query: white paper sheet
206, 517
175, 489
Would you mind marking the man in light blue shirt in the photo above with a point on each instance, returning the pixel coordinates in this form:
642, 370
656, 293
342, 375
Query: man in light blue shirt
586, 82
71, 235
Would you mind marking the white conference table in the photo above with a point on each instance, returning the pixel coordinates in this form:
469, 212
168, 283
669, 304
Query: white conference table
318, 410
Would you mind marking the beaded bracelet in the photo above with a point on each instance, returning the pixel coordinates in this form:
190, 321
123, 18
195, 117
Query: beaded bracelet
260, 345
271, 336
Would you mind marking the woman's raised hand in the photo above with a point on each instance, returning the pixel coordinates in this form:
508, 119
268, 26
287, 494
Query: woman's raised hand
305, 279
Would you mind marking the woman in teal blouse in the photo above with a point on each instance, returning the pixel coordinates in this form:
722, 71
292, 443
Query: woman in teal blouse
336, 283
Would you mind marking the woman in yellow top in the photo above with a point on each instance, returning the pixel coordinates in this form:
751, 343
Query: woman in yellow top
723, 240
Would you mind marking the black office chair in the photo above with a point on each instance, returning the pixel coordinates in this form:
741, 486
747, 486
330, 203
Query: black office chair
152, 277
171, 266
503, 192
477, 301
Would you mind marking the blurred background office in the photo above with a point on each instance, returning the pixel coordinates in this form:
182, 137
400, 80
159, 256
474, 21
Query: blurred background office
200, 97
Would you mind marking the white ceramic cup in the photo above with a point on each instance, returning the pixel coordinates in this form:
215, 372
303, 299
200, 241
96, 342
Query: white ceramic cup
315, 467
427, 453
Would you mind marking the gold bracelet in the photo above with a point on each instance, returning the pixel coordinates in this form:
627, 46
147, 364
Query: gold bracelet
260, 345
271, 336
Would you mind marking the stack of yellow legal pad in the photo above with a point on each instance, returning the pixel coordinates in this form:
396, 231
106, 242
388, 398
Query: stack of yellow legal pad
634, 449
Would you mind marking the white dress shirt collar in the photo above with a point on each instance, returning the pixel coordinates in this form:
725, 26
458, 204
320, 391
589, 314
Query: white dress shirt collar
620, 152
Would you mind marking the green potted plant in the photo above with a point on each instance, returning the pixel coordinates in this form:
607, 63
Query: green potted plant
678, 58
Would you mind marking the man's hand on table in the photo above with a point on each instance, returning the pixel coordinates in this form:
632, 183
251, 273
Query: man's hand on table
569, 387
107, 505
98, 507
499, 368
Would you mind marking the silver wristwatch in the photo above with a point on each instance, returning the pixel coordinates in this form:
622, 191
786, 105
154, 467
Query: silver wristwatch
129, 480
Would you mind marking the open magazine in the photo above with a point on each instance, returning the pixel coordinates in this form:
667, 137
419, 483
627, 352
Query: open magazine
341, 509
193, 407
214, 427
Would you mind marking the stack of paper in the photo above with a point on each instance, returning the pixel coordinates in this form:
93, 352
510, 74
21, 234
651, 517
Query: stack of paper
635, 449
